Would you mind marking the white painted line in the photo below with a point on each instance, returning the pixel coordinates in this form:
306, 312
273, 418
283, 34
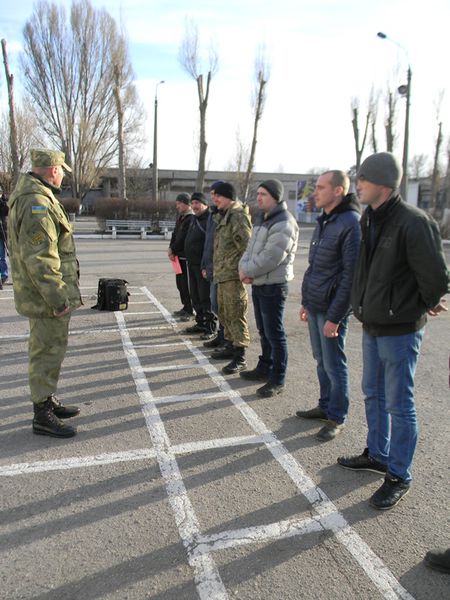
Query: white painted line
15, 337
76, 462
165, 345
372, 565
172, 368
138, 302
188, 397
206, 575
148, 312
202, 445
257, 534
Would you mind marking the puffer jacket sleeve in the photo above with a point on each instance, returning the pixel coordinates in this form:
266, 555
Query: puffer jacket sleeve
350, 242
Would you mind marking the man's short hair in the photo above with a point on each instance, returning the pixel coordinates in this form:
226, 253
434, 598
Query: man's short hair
339, 178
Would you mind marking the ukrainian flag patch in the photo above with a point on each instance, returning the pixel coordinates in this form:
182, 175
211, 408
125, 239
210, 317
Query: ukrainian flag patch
38, 210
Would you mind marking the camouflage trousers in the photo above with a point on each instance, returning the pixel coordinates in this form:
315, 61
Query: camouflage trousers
233, 302
46, 350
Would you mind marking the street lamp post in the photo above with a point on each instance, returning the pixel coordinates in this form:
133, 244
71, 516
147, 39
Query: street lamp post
405, 91
155, 190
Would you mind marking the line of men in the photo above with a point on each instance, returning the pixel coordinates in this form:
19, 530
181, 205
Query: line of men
390, 268
387, 267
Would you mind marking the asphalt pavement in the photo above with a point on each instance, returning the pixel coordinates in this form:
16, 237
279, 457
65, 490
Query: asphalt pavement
183, 483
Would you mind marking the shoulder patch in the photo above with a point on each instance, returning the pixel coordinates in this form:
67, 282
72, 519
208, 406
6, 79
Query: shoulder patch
37, 238
38, 210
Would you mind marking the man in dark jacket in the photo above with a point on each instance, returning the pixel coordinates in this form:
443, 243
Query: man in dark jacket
400, 276
326, 297
193, 249
3, 240
176, 249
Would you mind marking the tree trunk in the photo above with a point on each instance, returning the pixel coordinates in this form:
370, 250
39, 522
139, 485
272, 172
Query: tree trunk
435, 176
122, 184
12, 119
359, 149
251, 159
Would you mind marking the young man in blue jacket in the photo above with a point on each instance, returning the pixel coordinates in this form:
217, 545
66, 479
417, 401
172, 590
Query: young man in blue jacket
326, 297
400, 276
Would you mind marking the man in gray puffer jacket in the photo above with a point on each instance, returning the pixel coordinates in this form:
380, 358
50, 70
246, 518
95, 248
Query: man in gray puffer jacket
268, 265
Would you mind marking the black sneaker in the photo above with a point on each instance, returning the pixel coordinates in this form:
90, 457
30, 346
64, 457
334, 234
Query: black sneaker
223, 352
362, 462
313, 413
439, 560
329, 431
254, 375
178, 313
270, 389
390, 493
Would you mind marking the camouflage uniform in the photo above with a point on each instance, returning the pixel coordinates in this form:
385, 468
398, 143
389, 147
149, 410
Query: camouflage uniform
45, 272
233, 231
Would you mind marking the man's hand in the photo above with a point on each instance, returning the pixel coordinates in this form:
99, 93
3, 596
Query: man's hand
204, 274
330, 329
441, 307
170, 254
62, 313
244, 279
303, 313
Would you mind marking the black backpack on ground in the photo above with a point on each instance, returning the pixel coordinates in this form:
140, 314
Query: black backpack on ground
112, 294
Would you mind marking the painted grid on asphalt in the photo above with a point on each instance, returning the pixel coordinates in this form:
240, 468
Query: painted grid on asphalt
200, 548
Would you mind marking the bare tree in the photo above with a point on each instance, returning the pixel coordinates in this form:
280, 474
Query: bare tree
373, 109
190, 60
359, 145
237, 165
418, 166
262, 74
69, 76
26, 130
389, 123
435, 177
12, 119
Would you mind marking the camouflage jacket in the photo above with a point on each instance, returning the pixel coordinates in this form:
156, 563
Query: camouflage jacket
42, 250
232, 234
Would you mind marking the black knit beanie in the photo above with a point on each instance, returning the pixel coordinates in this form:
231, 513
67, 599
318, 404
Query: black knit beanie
381, 168
226, 190
184, 198
200, 197
215, 184
274, 187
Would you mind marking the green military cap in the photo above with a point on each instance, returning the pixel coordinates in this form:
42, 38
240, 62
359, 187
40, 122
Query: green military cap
49, 158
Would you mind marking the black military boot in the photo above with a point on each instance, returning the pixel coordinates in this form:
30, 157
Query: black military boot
61, 411
45, 422
237, 364
225, 351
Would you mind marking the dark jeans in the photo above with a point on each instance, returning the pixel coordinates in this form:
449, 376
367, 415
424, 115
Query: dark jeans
182, 281
332, 370
268, 304
200, 296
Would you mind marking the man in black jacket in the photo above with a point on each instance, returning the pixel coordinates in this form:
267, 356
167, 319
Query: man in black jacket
400, 276
176, 249
199, 286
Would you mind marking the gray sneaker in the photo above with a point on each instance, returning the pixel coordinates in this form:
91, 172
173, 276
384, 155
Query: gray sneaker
313, 413
362, 462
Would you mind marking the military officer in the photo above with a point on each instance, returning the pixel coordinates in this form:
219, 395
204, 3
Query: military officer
45, 273
232, 234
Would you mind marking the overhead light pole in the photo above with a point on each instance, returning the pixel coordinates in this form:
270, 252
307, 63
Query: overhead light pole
155, 187
405, 91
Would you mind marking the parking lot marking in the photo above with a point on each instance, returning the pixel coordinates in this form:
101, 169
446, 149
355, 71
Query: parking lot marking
207, 578
372, 565
188, 397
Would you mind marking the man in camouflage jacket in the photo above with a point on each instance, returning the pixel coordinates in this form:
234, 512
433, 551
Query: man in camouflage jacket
45, 273
231, 237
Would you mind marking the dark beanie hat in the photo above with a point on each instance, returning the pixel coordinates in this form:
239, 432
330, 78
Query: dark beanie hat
184, 198
381, 168
215, 184
200, 197
226, 190
274, 187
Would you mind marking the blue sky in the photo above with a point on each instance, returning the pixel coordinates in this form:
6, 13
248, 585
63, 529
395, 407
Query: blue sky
322, 53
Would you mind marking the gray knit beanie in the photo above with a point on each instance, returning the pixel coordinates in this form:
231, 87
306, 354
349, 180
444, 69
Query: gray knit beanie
381, 168
184, 198
274, 187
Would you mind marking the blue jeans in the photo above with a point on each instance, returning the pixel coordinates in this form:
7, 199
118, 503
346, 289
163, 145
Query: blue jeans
332, 370
3, 264
388, 385
268, 304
